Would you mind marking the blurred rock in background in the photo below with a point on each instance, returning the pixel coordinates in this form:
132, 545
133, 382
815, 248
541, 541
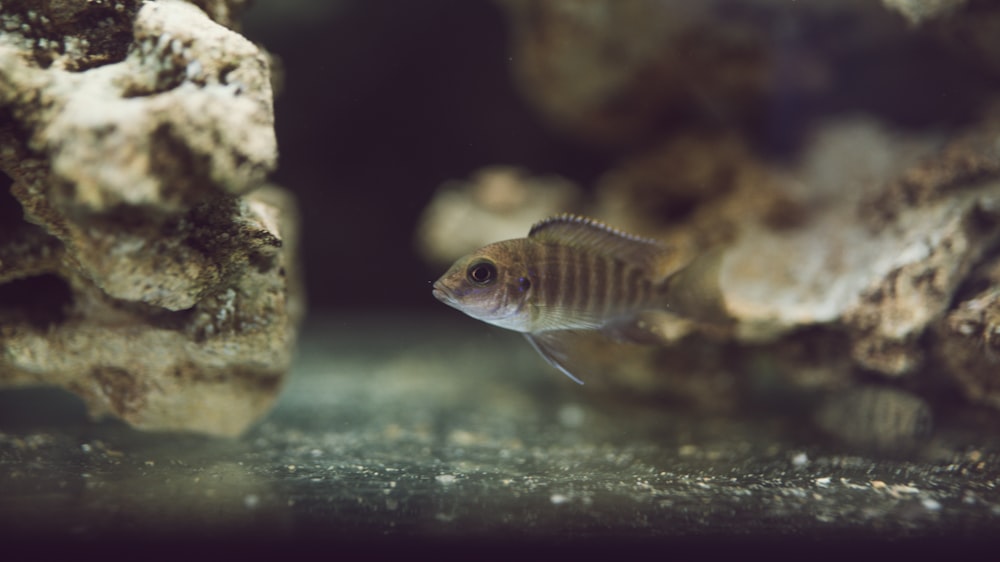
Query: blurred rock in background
846, 157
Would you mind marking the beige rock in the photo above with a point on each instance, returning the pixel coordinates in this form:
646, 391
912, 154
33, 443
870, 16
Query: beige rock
618, 71
916, 11
813, 246
575, 60
968, 338
613, 71
885, 278
498, 203
153, 273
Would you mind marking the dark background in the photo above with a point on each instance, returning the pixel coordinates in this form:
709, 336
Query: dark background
382, 102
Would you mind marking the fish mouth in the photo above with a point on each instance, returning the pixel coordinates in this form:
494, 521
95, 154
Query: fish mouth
442, 293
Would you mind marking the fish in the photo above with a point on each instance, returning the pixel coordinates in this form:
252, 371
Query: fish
879, 419
574, 277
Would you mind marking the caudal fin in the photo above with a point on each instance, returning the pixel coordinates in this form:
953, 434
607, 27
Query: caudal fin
694, 291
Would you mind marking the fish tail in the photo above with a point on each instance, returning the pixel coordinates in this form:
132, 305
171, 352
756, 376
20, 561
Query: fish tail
694, 292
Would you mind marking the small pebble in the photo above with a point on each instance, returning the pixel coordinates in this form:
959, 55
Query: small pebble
800, 459
571, 416
687, 450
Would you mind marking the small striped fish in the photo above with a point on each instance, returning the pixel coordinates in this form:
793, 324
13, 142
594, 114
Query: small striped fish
573, 275
880, 419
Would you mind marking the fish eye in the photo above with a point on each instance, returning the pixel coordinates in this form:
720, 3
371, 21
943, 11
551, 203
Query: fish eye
482, 273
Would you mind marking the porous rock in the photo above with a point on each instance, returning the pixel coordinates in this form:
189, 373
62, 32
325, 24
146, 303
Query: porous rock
969, 337
613, 72
814, 248
497, 203
885, 277
144, 263
917, 11
616, 72
578, 62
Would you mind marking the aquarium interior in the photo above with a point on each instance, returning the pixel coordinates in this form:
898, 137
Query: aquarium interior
403, 420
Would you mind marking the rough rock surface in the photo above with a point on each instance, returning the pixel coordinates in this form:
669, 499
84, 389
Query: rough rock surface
144, 264
886, 277
614, 71
970, 337
859, 227
916, 11
489, 207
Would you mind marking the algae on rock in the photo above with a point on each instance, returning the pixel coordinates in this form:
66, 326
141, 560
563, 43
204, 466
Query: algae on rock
144, 263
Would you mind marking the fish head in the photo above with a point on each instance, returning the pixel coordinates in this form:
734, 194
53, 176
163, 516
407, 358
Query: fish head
490, 284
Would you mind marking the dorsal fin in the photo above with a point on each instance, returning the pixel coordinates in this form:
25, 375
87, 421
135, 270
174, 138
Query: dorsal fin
595, 236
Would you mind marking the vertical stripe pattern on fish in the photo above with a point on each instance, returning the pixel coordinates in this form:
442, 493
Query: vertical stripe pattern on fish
571, 275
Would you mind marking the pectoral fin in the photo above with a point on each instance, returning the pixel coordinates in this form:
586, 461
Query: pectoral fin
556, 347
